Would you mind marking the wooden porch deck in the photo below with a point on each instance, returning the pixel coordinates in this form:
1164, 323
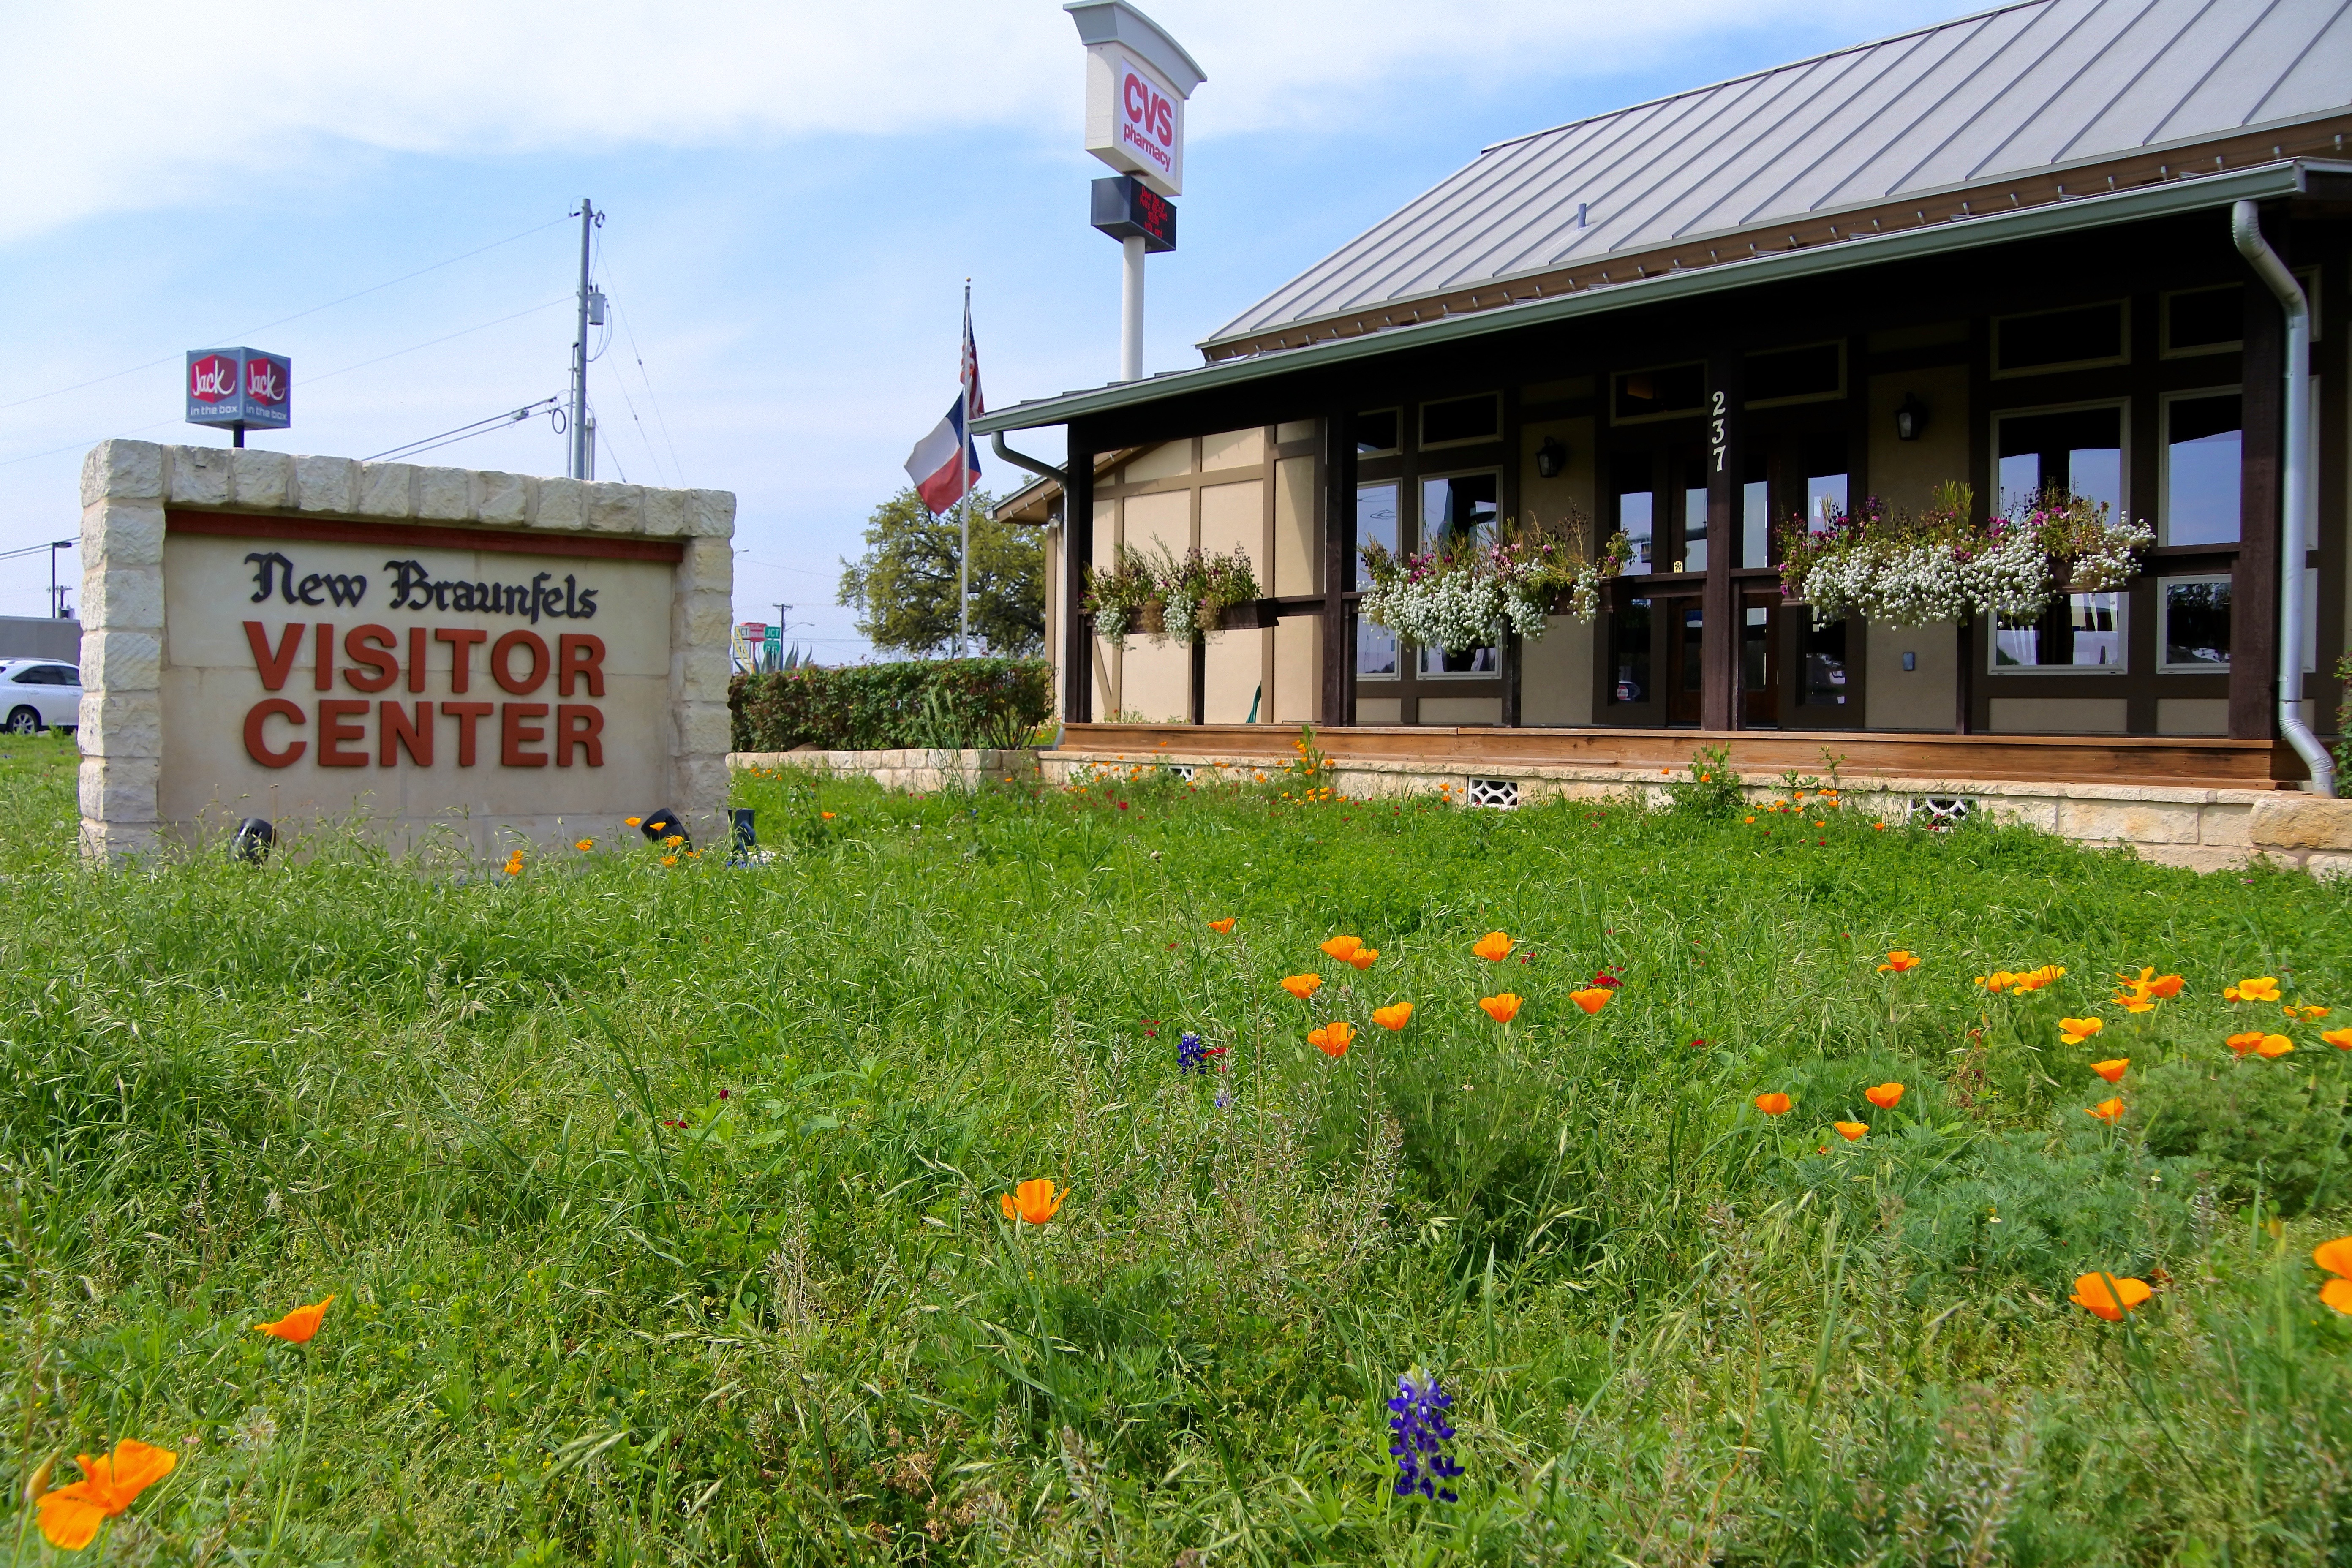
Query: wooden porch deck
2179, 762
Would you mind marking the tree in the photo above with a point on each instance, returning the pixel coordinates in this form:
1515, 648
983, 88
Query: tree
904, 587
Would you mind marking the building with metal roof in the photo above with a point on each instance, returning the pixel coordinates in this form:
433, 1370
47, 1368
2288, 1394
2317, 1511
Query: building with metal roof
2087, 248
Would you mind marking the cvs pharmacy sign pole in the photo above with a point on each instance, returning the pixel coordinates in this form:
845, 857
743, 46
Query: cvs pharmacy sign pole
1138, 80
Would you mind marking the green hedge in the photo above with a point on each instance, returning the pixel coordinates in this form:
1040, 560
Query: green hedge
865, 707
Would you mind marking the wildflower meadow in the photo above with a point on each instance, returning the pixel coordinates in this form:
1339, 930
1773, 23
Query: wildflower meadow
1173, 1172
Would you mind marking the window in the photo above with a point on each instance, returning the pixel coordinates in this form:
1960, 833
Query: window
2061, 340
1629, 652
2079, 449
1825, 679
2204, 441
1376, 433
1459, 419
1459, 509
1807, 374
2196, 625
1825, 487
1637, 518
47, 675
1693, 555
2081, 631
1667, 393
1376, 524
1755, 516
2204, 320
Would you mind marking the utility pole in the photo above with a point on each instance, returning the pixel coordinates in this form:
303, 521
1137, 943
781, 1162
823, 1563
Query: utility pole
592, 310
57, 594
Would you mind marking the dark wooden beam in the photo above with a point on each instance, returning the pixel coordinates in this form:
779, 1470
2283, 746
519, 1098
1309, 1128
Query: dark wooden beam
1077, 554
1719, 696
2254, 584
1339, 509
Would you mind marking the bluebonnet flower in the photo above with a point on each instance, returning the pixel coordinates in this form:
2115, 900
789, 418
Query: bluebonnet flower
1192, 1054
1224, 1098
1417, 1416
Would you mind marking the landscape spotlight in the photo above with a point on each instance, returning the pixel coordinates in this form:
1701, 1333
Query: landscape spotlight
252, 841
747, 838
665, 824
1910, 417
1551, 458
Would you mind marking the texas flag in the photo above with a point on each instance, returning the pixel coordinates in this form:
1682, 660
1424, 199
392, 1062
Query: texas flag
940, 478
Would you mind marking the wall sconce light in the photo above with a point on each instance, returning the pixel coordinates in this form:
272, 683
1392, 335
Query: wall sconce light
253, 841
1551, 458
1910, 417
665, 824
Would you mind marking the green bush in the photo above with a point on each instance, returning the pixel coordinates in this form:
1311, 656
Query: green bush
865, 707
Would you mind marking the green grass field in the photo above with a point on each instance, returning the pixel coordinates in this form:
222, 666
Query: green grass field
662, 1206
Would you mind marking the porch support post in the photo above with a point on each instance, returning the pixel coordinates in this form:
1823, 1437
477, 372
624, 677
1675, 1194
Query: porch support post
1339, 661
1718, 698
1077, 554
2254, 585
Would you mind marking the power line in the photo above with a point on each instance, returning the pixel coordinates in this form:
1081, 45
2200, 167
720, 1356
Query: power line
651, 396
480, 426
266, 326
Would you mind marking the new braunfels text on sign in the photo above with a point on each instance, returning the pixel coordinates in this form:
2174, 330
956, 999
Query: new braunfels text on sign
375, 657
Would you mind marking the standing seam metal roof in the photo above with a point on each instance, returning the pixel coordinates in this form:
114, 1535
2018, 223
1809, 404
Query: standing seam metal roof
2023, 89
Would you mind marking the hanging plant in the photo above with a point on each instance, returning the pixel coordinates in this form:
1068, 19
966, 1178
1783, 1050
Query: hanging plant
1460, 593
1172, 599
1940, 566
1122, 597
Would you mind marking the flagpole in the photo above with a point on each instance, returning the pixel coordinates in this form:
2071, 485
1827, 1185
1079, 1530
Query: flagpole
963, 478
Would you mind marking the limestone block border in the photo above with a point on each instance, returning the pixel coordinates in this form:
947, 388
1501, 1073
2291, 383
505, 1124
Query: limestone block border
917, 769
127, 485
2200, 829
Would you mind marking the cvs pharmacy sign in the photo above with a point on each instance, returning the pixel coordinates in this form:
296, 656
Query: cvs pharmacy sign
1147, 121
1138, 79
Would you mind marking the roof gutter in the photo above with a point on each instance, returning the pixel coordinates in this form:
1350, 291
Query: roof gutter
2257, 182
2296, 495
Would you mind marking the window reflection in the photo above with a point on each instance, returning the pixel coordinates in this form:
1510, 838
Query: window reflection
2197, 624
2082, 631
1376, 524
1694, 554
2204, 440
1634, 519
1629, 652
1756, 518
1460, 510
2080, 450
1824, 683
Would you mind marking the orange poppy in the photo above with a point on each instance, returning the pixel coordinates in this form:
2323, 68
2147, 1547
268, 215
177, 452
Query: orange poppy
1504, 1007
1851, 1132
2262, 988
1886, 1096
1364, 957
1223, 927
2034, 979
1773, 1104
1302, 985
1999, 980
2167, 986
1592, 998
585, 844
2335, 1256
1035, 1201
2338, 1293
2104, 1296
2254, 1040
825, 815
2304, 1012
1898, 961
1343, 947
635, 821
669, 859
297, 1326
2074, 1031
2340, 1038
2112, 1071
1395, 1016
1494, 947
1332, 1038
2107, 1111
111, 1483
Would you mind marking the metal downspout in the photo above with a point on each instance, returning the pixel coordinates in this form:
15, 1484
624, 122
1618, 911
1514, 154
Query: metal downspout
1043, 469
2295, 491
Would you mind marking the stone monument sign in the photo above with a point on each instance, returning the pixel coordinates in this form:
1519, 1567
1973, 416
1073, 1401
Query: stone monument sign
430, 651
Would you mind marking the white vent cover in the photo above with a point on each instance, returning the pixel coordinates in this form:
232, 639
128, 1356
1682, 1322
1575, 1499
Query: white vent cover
1942, 811
1502, 794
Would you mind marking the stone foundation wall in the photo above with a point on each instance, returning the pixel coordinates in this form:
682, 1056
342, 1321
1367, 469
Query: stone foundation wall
914, 768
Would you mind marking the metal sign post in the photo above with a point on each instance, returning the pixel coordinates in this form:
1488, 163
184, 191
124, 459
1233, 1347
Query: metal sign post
1138, 80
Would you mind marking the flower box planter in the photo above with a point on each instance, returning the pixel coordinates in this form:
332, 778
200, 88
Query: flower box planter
1255, 615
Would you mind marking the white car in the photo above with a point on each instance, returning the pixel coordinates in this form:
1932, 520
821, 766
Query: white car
39, 694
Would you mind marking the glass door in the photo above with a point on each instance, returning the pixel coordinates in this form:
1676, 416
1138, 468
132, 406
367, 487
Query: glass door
1685, 628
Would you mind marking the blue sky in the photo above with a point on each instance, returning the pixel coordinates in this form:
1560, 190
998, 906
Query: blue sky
796, 194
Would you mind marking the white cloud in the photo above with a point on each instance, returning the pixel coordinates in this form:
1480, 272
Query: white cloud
159, 104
